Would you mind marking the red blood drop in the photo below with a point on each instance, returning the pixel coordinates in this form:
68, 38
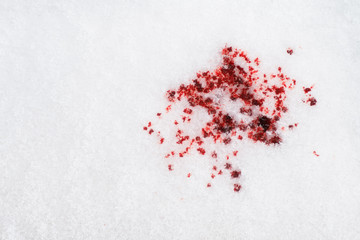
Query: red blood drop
306, 90
312, 101
228, 166
237, 187
187, 110
235, 174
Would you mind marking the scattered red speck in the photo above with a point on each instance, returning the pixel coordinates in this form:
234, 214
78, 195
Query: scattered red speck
306, 90
228, 166
316, 153
208, 185
201, 151
168, 108
235, 174
187, 111
212, 175
227, 140
237, 187
312, 101
170, 167
189, 175
258, 104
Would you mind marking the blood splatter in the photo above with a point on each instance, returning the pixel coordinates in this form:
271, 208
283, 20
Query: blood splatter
314, 152
235, 101
289, 51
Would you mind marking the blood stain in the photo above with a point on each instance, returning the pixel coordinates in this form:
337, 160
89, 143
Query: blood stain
260, 100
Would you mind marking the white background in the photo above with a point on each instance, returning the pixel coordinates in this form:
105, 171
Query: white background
79, 79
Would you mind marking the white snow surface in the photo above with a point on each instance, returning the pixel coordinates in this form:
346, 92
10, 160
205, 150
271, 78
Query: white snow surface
79, 79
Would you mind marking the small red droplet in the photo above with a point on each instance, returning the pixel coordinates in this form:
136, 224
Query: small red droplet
228, 166
187, 111
316, 153
170, 167
306, 90
235, 174
289, 51
201, 151
312, 101
237, 187
168, 108
208, 185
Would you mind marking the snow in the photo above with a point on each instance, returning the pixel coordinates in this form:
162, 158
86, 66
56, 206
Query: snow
79, 80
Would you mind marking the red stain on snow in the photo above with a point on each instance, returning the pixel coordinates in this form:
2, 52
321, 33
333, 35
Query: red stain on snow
261, 100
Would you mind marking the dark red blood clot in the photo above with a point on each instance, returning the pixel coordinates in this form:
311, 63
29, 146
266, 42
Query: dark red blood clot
312, 101
235, 174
